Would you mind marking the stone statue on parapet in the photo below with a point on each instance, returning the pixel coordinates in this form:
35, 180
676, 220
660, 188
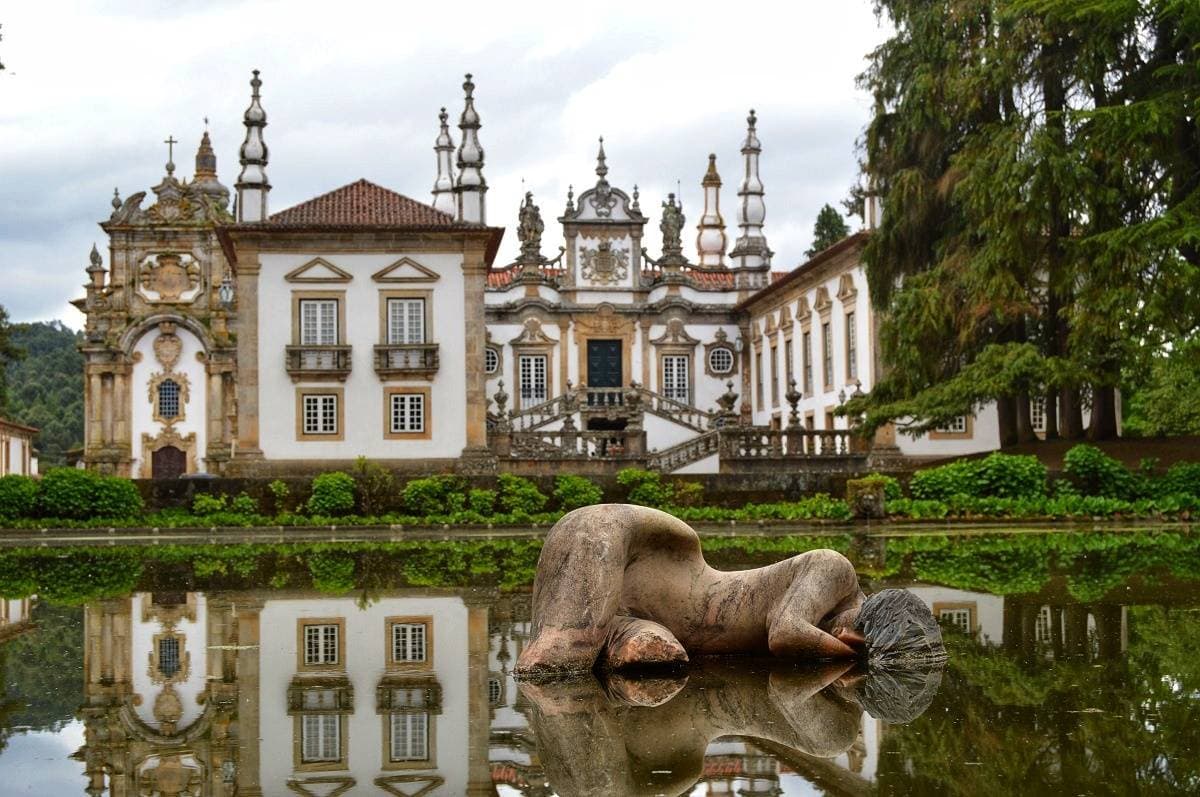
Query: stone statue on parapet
529, 230
672, 226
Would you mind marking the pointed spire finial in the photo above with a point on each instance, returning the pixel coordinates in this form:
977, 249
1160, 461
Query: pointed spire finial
710, 241
94, 258
470, 186
636, 195
206, 159
750, 251
711, 177
252, 185
116, 200
570, 199
601, 161
443, 183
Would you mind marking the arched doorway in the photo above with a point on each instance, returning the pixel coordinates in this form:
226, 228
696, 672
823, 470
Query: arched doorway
168, 462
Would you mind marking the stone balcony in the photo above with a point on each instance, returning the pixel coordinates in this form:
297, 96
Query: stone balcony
318, 362
406, 359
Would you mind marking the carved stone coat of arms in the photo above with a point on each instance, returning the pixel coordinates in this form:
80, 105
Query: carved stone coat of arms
604, 265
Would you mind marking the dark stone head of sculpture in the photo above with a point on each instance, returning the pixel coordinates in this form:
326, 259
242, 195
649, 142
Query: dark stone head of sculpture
899, 630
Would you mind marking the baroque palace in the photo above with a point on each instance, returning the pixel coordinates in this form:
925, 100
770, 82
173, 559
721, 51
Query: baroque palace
236, 341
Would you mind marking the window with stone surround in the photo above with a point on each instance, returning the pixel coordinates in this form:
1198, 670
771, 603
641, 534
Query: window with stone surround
827, 356
168, 400
409, 736
720, 360
491, 360
322, 644
806, 363
405, 321
788, 364
533, 387
320, 414
676, 379
774, 375
409, 642
407, 413
318, 322
851, 348
758, 378
320, 738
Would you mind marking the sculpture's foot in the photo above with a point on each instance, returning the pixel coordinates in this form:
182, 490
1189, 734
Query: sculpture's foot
645, 690
633, 642
558, 651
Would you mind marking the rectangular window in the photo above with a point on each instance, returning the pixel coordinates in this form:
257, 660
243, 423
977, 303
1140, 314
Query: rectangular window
321, 644
851, 347
318, 322
320, 738
320, 414
1043, 628
955, 426
956, 618
1037, 413
168, 656
532, 374
789, 367
827, 359
806, 364
407, 413
408, 642
758, 377
774, 375
406, 321
410, 736
676, 378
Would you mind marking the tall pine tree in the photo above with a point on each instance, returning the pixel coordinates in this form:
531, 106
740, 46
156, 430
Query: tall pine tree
829, 228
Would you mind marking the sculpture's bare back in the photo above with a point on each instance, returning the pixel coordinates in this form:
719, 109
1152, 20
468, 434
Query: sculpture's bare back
628, 585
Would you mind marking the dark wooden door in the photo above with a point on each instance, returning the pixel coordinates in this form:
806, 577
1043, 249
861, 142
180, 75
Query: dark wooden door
604, 363
168, 462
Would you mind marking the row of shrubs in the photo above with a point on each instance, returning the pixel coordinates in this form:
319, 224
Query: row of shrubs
999, 485
1087, 471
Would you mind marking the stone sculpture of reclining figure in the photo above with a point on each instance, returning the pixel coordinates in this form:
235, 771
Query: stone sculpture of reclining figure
625, 586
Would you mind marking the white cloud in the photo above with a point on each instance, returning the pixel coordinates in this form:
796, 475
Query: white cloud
352, 91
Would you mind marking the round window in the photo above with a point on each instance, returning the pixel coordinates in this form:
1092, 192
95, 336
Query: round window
720, 361
491, 361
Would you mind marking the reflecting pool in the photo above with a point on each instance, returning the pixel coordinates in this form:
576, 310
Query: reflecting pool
385, 668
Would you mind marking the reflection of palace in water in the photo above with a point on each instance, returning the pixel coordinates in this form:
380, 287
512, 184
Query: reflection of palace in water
411, 693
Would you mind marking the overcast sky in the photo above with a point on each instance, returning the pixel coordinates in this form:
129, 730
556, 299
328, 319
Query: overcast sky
352, 90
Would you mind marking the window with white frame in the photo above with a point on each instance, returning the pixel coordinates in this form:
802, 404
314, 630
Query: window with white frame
318, 322
774, 375
1043, 628
806, 363
532, 370
168, 400
495, 691
410, 736
406, 321
491, 360
320, 738
675, 377
1037, 413
320, 413
407, 413
956, 618
409, 642
827, 351
758, 378
851, 347
954, 426
720, 360
322, 644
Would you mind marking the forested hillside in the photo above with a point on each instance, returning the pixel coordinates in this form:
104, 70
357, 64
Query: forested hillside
45, 387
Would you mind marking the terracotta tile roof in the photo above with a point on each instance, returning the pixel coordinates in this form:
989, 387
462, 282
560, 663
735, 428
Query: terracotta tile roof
363, 204
505, 276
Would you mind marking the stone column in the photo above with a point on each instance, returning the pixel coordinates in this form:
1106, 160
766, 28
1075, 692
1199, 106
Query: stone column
474, 268
644, 324
247, 357
564, 360
249, 688
479, 776
95, 403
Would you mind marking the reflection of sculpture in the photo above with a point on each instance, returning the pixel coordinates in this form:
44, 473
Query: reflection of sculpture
649, 736
628, 585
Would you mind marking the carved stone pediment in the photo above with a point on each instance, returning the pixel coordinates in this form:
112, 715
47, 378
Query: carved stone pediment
169, 278
803, 313
822, 303
675, 335
846, 290
176, 204
532, 335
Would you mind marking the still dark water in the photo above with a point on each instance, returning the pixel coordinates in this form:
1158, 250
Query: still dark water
386, 669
